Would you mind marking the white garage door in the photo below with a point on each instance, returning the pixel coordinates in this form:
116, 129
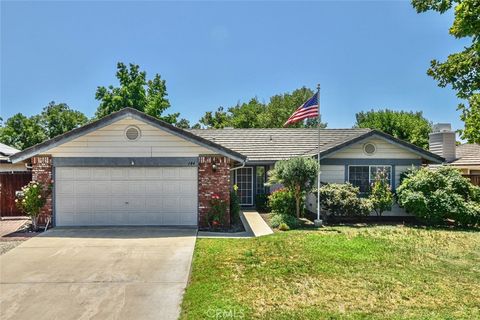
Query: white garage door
104, 196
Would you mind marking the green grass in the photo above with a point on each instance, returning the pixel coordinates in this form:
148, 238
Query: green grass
337, 273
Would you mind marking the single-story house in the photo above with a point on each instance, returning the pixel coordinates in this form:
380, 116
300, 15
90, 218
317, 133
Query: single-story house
132, 169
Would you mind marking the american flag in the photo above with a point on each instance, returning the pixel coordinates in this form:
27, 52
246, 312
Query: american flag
307, 110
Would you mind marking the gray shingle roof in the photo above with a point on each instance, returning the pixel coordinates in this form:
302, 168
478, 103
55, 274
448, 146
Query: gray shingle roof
467, 154
6, 151
280, 143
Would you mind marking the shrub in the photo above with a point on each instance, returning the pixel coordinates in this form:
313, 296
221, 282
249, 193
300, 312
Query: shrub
234, 205
261, 202
32, 199
279, 219
343, 200
218, 209
283, 227
282, 202
297, 175
381, 195
438, 195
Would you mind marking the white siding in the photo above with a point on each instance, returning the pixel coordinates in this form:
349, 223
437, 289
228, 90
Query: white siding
9, 167
384, 150
332, 173
398, 171
110, 141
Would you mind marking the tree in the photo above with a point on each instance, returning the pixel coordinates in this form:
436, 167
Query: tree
381, 195
183, 124
408, 126
22, 132
135, 92
298, 175
57, 119
461, 70
255, 114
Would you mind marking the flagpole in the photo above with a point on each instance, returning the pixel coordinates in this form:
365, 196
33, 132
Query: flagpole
318, 222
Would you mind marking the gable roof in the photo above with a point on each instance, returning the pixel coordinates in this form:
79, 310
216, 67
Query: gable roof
467, 154
270, 145
122, 114
6, 151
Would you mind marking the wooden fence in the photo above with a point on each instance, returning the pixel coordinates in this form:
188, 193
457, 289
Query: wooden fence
475, 179
10, 182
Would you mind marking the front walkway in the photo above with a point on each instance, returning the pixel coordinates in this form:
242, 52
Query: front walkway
9, 225
254, 225
97, 273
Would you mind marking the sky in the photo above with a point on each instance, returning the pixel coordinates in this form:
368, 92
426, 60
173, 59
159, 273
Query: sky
365, 55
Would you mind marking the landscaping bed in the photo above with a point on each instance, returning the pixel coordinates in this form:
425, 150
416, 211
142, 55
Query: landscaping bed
337, 272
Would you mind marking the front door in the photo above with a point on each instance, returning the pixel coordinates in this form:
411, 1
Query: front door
244, 182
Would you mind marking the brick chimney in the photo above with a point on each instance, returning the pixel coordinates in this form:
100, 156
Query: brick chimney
442, 141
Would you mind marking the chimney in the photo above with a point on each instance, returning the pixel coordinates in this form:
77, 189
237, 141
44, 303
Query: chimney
442, 141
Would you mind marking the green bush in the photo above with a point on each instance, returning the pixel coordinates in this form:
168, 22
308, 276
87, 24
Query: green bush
282, 202
261, 202
381, 195
278, 219
32, 199
343, 200
283, 227
234, 205
438, 195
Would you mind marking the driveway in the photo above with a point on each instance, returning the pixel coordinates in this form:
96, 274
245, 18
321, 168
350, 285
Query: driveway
97, 273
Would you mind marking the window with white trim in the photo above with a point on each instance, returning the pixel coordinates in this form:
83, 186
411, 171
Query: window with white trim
363, 176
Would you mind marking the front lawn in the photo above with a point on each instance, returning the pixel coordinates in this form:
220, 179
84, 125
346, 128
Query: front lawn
337, 273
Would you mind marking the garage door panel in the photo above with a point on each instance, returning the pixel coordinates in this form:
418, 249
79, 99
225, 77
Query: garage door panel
126, 196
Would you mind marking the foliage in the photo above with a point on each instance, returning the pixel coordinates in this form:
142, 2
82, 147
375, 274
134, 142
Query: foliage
408, 126
435, 195
217, 212
381, 195
282, 202
297, 175
284, 219
461, 70
256, 114
261, 202
283, 227
31, 200
183, 124
343, 200
135, 91
22, 132
234, 204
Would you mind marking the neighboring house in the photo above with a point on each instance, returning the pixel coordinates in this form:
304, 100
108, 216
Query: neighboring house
5, 164
465, 157
131, 169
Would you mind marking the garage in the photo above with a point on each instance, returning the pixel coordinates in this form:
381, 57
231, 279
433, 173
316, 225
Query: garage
104, 196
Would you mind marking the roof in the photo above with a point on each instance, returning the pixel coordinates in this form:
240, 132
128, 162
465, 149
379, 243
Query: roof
7, 150
113, 117
467, 154
269, 145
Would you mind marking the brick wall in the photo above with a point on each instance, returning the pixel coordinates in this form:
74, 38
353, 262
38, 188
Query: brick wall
213, 182
42, 172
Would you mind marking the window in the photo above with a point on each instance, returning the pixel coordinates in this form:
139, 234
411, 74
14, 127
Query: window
244, 182
363, 176
260, 175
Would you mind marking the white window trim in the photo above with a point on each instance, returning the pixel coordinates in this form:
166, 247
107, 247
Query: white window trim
369, 170
251, 170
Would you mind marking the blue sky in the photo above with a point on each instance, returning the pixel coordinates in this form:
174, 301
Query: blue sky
365, 54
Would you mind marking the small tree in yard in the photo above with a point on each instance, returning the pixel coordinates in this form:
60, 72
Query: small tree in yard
381, 194
297, 175
31, 200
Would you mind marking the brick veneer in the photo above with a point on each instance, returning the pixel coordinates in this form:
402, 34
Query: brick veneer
213, 182
42, 172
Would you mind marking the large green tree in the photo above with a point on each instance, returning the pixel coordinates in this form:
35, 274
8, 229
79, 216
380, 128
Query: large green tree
135, 91
461, 70
21, 132
256, 114
408, 126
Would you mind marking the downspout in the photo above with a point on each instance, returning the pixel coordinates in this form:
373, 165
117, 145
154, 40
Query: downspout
236, 168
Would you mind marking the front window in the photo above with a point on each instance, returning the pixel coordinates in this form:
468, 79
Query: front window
260, 175
363, 176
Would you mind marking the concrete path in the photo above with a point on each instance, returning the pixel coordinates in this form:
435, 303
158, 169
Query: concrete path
97, 273
9, 225
254, 225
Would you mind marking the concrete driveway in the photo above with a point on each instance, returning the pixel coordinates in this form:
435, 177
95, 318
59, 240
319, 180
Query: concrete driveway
97, 273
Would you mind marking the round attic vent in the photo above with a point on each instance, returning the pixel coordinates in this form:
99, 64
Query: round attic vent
132, 133
369, 148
